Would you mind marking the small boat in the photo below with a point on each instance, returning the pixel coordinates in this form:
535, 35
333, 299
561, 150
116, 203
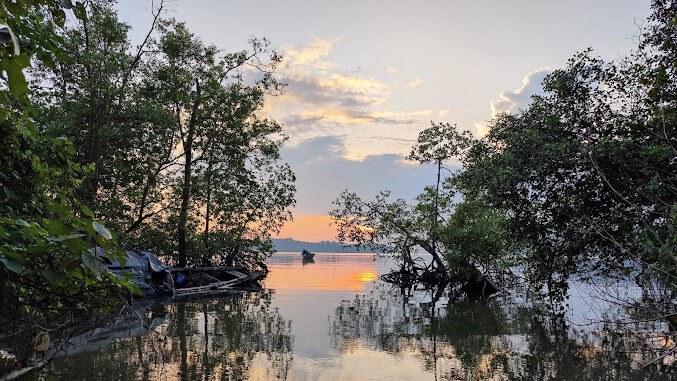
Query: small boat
155, 278
213, 280
307, 255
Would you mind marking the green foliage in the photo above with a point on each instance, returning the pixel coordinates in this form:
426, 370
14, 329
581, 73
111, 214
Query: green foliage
581, 183
439, 143
228, 175
477, 234
48, 273
587, 173
461, 237
180, 162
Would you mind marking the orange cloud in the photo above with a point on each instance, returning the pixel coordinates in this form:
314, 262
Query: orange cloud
345, 116
310, 53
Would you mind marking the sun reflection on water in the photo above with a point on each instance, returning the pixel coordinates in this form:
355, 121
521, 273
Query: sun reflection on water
322, 275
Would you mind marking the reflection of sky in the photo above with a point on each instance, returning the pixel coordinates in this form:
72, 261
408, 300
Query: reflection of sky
359, 364
343, 324
327, 273
308, 294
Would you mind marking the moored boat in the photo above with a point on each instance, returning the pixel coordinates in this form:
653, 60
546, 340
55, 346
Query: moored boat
213, 280
307, 255
155, 278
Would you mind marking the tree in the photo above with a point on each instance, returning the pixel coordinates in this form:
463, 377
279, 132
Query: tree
587, 172
446, 230
437, 144
223, 146
93, 96
241, 184
172, 137
49, 276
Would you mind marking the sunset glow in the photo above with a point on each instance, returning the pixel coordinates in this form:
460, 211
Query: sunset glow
309, 228
326, 277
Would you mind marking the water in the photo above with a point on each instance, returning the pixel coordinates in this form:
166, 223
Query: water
335, 320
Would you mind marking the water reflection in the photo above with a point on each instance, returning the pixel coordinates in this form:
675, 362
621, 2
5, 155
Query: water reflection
334, 320
221, 339
477, 341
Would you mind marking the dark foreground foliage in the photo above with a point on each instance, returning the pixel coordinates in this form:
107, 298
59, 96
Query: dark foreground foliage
158, 147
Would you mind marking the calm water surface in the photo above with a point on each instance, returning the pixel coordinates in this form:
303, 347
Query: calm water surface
335, 320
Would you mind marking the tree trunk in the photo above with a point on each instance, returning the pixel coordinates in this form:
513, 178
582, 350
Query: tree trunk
208, 253
187, 177
183, 347
477, 286
440, 264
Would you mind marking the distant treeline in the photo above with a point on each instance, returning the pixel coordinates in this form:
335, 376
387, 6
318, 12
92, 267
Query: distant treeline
289, 244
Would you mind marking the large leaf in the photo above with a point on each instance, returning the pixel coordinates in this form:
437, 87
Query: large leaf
15, 76
53, 276
97, 265
105, 233
12, 264
56, 227
80, 11
86, 211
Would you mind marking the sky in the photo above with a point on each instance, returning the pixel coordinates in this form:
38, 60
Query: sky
365, 77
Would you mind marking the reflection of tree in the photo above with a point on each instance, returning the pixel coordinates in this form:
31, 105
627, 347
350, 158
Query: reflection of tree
244, 327
216, 339
472, 341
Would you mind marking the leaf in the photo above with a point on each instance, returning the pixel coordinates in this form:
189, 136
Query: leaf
96, 265
61, 210
135, 289
46, 59
15, 76
80, 11
12, 264
59, 17
53, 276
9, 193
105, 233
56, 227
3, 233
86, 211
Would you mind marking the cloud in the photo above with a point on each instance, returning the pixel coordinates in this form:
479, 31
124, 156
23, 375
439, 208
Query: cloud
321, 96
310, 53
482, 128
337, 88
443, 112
347, 116
512, 101
323, 170
414, 83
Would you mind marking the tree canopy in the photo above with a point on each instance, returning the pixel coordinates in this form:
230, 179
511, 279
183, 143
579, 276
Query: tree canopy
160, 147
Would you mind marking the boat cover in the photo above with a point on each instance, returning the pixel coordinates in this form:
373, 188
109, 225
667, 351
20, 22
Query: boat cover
141, 265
